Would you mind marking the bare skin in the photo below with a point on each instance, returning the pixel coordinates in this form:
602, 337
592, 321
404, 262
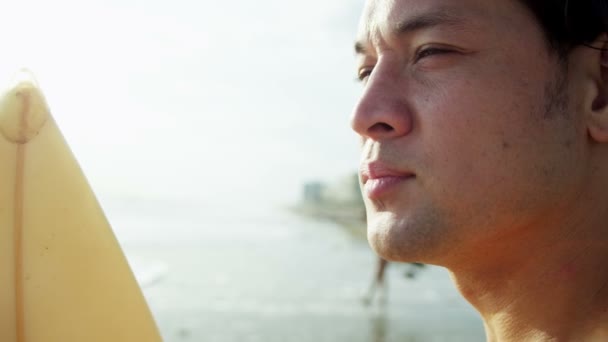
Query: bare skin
484, 153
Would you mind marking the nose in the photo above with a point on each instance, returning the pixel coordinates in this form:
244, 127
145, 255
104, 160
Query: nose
382, 111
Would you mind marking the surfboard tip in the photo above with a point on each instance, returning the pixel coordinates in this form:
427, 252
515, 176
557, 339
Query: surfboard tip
23, 109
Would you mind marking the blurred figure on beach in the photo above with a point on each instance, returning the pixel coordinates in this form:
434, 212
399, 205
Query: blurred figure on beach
379, 283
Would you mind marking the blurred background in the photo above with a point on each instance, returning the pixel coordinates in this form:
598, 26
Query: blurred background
216, 137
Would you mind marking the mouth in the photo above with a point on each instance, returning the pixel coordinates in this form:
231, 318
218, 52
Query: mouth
379, 179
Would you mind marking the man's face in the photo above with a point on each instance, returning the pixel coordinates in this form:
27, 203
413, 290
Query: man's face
469, 133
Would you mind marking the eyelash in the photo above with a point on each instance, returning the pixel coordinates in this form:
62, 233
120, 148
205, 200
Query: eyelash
365, 73
429, 52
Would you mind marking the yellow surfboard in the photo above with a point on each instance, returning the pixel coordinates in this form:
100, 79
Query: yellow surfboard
63, 275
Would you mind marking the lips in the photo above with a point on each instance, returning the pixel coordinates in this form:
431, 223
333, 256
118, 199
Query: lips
379, 179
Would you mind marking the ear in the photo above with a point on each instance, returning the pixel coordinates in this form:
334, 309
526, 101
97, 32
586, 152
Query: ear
596, 102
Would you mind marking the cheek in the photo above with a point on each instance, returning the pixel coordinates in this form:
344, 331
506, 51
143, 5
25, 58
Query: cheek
484, 153
459, 130
473, 139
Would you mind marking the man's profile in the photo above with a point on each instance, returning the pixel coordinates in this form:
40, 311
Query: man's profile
484, 127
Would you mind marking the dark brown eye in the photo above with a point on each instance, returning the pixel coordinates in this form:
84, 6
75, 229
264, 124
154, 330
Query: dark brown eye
364, 74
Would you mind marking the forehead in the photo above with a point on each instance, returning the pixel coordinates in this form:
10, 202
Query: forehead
384, 18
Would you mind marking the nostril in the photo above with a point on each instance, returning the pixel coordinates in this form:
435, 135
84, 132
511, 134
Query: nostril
380, 128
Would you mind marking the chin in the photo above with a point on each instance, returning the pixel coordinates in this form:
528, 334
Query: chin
404, 239
387, 238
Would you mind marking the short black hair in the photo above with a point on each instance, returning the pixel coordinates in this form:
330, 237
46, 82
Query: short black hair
569, 23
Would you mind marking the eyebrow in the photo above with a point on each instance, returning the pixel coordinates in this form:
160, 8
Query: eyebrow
442, 17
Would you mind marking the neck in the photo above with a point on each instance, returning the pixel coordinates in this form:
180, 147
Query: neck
550, 282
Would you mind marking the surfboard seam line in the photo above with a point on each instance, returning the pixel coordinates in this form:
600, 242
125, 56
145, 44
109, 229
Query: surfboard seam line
18, 233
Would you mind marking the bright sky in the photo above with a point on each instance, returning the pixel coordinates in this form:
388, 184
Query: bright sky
194, 98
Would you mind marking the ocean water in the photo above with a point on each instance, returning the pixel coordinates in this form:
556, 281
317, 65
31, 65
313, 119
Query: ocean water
261, 273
